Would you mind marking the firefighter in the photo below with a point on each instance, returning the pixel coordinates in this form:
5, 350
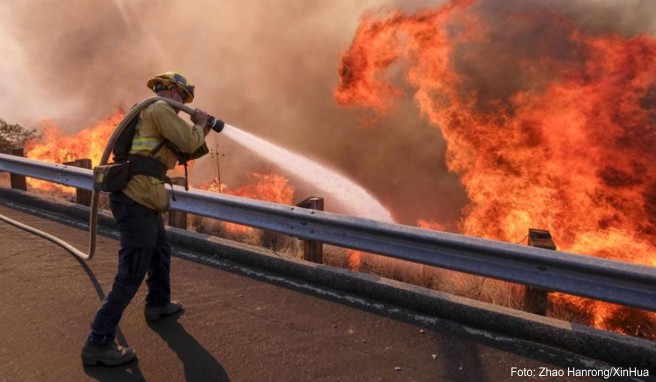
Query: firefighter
144, 246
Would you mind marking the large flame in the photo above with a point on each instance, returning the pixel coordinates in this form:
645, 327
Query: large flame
548, 126
56, 147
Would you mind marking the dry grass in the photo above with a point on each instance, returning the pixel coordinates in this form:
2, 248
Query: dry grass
277, 242
568, 308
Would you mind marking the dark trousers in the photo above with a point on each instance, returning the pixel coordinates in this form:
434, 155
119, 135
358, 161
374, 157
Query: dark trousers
144, 249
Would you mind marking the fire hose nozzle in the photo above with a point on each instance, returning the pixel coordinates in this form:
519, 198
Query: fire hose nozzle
215, 123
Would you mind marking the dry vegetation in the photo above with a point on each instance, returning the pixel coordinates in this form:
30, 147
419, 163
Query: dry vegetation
277, 242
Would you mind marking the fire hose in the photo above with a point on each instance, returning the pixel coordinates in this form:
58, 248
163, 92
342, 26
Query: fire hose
214, 123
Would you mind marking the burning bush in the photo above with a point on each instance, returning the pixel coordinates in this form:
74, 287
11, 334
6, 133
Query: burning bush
548, 125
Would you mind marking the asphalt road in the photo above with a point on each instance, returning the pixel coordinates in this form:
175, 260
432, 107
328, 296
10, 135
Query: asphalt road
239, 324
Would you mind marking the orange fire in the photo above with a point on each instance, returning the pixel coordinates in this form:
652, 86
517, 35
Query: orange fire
269, 187
429, 224
548, 126
56, 147
354, 259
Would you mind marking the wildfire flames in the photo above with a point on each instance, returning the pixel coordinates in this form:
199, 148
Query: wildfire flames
547, 125
54, 146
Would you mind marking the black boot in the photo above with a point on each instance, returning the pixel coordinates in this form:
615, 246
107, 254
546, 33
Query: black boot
155, 313
111, 354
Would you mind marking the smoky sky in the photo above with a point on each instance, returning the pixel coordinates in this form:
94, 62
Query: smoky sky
268, 67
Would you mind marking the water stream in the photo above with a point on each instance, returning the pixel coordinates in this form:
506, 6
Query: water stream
338, 190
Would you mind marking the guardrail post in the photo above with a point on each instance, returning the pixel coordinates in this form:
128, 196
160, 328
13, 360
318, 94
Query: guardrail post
81, 196
312, 249
18, 181
178, 219
536, 300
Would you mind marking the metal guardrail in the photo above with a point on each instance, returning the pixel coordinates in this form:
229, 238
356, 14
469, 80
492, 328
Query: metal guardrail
601, 279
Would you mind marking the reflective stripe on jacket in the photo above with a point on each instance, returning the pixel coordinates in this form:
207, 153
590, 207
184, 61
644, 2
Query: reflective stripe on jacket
145, 144
159, 122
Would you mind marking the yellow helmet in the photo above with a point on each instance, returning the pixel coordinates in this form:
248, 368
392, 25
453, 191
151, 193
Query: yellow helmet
170, 80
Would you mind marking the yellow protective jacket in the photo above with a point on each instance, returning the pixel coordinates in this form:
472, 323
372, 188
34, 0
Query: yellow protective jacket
159, 122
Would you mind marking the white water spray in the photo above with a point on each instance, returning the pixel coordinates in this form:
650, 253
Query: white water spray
352, 198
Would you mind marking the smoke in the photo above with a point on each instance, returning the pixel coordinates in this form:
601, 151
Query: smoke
100, 54
554, 23
626, 17
268, 67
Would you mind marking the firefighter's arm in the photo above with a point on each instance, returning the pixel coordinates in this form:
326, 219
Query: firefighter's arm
174, 129
200, 118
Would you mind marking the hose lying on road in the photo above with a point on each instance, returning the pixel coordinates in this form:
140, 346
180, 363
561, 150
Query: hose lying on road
45, 235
